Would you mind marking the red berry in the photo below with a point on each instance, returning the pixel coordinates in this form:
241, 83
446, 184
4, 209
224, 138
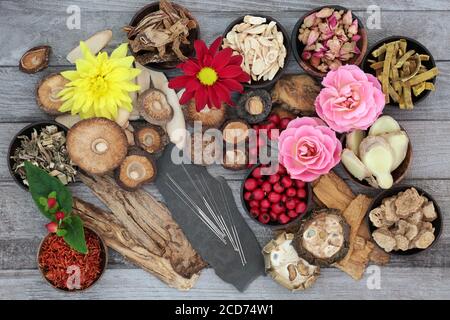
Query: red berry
271, 126
254, 212
264, 218
292, 214
283, 198
281, 170
258, 194
301, 193
260, 182
284, 123
253, 204
278, 188
250, 184
52, 227
265, 203
274, 178
247, 196
291, 192
299, 184
263, 210
283, 219
291, 204
286, 181
257, 173
278, 208
51, 202
266, 186
274, 118
255, 127
59, 215
273, 216
274, 197
300, 208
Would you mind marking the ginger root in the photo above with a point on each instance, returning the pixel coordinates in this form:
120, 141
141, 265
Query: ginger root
379, 158
384, 124
399, 143
354, 165
353, 140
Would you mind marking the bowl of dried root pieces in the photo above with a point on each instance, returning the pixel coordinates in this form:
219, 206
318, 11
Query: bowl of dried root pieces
404, 220
405, 68
162, 34
44, 145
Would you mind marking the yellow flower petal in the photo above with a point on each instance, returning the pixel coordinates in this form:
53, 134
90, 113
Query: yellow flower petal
120, 52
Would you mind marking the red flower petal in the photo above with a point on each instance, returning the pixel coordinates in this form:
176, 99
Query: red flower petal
201, 98
215, 46
200, 49
232, 84
207, 60
193, 84
223, 93
186, 97
213, 98
222, 59
236, 60
179, 82
190, 68
230, 71
243, 77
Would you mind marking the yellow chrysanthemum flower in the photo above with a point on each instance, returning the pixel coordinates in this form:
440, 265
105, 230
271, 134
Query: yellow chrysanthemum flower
100, 85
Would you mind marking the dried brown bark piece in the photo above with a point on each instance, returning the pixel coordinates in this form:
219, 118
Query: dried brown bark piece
333, 192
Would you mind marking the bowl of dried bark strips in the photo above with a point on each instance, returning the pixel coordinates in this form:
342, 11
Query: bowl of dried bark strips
405, 68
162, 34
68, 270
43, 144
404, 220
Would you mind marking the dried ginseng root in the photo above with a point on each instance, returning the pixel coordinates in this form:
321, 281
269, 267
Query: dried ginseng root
35, 59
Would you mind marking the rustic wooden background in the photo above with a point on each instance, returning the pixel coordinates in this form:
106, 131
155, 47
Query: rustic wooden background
26, 23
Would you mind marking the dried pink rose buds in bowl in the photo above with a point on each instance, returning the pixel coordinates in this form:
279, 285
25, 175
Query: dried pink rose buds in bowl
327, 38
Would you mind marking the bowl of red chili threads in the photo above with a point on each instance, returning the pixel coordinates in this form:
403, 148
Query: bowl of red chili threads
68, 270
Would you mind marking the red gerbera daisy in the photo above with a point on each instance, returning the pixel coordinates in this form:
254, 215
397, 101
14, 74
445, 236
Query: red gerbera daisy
211, 76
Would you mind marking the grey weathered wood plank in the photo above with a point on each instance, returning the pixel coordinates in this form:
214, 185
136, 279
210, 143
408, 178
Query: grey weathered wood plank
395, 283
36, 25
18, 100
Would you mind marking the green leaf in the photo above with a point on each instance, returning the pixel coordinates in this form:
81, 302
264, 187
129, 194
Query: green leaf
52, 194
42, 201
75, 235
61, 232
42, 184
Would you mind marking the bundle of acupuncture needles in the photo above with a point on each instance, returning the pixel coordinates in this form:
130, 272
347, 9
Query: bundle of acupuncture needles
222, 227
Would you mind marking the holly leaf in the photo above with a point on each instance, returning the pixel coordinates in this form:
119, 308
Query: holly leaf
41, 184
75, 235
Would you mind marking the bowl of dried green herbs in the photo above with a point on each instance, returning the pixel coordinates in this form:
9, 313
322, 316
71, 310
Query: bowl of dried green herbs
44, 145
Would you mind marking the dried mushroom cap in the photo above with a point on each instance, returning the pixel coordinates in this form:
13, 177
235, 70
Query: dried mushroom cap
47, 93
296, 93
136, 169
284, 265
151, 138
154, 108
204, 149
209, 117
235, 159
35, 59
254, 106
97, 145
323, 238
235, 131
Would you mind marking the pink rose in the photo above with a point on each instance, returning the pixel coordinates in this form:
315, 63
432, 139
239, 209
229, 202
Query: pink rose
350, 99
308, 148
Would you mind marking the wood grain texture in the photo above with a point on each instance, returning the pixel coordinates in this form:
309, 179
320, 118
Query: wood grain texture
25, 23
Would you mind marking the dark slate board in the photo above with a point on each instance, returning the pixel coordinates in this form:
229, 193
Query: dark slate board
225, 261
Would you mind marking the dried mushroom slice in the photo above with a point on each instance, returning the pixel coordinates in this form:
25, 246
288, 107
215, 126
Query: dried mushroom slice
284, 265
235, 159
323, 239
35, 59
385, 239
235, 132
47, 93
136, 169
154, 108
408, 202
254, 106
151, 138
209, 117
97, 145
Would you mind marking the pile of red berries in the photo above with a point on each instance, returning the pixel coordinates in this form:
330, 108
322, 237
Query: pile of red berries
275, 199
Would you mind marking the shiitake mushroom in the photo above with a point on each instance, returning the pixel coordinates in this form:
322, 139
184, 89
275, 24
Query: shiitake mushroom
254, 106
137, 168
35, 59
235, 159
47, 93
97, 145
235, 132
154, 107
209, 117
150, 138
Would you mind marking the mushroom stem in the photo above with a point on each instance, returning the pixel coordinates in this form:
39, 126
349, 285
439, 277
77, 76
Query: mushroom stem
99, 146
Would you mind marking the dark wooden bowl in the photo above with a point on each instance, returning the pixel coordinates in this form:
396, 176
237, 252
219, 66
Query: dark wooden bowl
275, 225
298, 46
15, 143
188, 50
412, 44
264, 84
437, 223
104, 257
398, 174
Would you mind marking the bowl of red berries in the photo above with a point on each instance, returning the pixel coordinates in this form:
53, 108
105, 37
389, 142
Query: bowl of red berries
275, 200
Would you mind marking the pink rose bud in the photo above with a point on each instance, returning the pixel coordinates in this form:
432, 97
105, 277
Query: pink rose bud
354, 27
313, 35
356, 37
332, 22
309, 20
315, 61
347, 18
306, 55
325, 13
